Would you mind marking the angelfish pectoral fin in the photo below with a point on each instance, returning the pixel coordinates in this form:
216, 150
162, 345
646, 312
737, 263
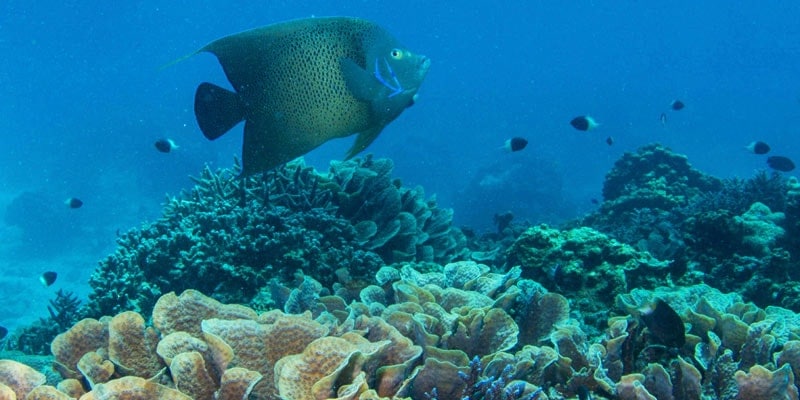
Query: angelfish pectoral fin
363, 140
217, 109
360, 82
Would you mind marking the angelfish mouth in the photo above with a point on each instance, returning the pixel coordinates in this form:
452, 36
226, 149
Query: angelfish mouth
425, 63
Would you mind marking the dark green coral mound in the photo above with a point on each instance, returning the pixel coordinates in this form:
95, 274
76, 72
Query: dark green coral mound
229, 236
736, 234
586, 266
654, 177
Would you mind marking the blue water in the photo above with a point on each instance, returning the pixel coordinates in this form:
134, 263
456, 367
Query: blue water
84, 97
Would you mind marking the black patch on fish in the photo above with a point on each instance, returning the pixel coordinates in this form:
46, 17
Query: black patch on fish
760, 148
609, 140
517, 143
580, 123
678, 105
665, 325
217, 109
163, 145
780, 163
73, 202
48, 278
3, 332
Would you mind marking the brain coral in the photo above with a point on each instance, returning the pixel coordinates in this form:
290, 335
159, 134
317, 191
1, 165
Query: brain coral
229, 237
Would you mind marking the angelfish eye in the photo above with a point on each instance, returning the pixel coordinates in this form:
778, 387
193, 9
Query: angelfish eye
396, 54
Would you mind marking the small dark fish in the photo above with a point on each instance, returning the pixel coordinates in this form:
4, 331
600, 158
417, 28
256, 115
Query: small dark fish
48, 278
3, 332
664, 324
663, 118
595, 201
165, 145
758, 147
515, 144
584, 393
609, 140
583, 123
677, 105
780, 163
73, 202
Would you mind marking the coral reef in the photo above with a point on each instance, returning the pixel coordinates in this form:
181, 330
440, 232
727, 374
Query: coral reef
64, 311
653, 177
230, 236
463, 333
585, 265
739, 234
349, 286
199, 341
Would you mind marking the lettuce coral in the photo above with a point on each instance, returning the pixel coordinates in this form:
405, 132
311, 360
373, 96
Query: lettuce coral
457, 338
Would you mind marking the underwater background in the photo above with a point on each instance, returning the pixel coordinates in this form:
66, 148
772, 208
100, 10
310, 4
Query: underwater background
86, 94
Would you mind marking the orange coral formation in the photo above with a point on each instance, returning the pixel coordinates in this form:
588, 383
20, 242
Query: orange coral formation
432, 341
47, 393
72, 387
184, 313
132, 346
761, 383
190, 376
258, 345
95, 368
237, 383
68, 348
19, 378
133, 387
309, 376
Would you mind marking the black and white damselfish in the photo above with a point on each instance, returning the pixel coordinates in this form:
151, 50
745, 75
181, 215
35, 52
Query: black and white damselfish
515, 144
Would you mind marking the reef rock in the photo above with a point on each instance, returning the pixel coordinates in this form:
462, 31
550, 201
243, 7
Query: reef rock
585, 265
762, 228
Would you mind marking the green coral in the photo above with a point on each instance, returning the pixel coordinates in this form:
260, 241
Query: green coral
654, 177
730, 232
587, 266
762, 228
229, 236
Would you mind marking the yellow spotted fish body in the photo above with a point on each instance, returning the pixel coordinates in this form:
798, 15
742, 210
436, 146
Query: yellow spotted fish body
300, 83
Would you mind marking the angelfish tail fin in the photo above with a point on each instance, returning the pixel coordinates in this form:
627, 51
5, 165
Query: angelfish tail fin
217, 109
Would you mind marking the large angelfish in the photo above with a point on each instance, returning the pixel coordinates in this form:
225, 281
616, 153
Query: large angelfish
300, 83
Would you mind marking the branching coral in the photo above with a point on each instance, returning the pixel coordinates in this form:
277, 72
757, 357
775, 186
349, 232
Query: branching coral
64, 311
229, 236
